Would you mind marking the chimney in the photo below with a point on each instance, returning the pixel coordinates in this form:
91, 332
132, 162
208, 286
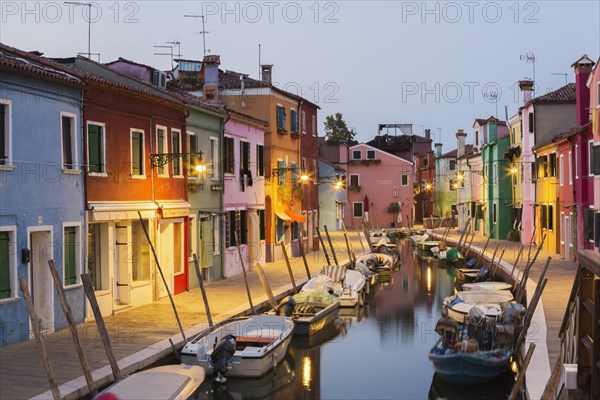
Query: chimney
210, 90
526, 88
583, 69
492, 128
438, 150
460, 146
266, 70
428, 133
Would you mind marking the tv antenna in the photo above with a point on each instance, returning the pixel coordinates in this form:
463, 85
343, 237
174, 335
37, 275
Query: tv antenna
203, 32
89, 15
165, 54
492, 96
178, 44
529, 57
560, 73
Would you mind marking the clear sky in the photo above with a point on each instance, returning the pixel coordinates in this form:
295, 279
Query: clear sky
437, 65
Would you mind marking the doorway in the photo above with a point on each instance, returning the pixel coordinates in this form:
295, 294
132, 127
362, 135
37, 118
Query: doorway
41, 285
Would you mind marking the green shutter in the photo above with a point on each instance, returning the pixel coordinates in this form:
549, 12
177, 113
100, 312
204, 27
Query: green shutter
94, 148
206, 238
3, 135
4, 266
67, 143
69, 256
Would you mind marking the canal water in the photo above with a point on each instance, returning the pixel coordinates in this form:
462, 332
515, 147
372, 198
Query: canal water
375, 352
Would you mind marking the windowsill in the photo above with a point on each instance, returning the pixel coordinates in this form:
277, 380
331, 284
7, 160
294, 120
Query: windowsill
101, 292
139, 177
178, 273
178, 176
9, 300
74, 286
162, 176
137, 284
216, 253
7, 167
98, 174
71, 171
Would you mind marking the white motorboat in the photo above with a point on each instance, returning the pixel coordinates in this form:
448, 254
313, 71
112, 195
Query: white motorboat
419, 238
347, 284
488, 301
311, 310
178, 382
261, 342
486, 286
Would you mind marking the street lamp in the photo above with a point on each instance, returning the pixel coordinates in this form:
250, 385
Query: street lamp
161, 159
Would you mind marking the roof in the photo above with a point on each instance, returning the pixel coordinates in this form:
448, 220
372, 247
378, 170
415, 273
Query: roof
453, 153
565, 94
383, 151
33, 64
572, 132
194, 101
247, 118
124, 60
482, 121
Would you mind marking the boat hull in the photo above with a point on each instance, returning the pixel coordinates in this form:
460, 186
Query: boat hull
309, 325
469, 368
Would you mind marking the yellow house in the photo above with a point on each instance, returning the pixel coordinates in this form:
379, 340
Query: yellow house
280, 163
547, 196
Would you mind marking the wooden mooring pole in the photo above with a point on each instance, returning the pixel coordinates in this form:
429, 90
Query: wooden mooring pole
323, 246
39, 338
202, 290
102, 331
517, 386
64, 304
244, 273
289, 267
301, 247
330, 245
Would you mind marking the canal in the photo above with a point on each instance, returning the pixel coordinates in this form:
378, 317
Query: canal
375, 352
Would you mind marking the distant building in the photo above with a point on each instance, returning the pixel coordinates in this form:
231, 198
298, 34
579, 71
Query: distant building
445, 183
332, 196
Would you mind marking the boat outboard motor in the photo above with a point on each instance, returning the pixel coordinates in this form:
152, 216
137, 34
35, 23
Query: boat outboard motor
476, 325
471, 263
484, 272
289, 307
222, 352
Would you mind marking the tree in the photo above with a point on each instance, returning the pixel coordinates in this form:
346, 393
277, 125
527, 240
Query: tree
337, 130
394, 209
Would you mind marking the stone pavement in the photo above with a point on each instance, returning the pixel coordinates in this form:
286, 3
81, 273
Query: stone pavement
140, 335
550, 310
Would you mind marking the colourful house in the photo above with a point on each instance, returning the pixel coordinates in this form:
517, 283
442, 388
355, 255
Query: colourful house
244, 197
445, 183
516, 172
546, 195
497, 182
376, 179
593, 84
42, 212
468, 173
332, 196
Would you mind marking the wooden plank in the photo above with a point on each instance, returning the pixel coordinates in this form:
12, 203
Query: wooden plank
64, 304
89, 292
202, 290
39, 338
289, 267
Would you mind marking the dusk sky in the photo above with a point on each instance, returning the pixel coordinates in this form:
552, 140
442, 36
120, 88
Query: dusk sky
436, 65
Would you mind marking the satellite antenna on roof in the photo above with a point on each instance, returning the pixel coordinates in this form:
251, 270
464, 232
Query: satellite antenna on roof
203, 32
530, 58
492, 96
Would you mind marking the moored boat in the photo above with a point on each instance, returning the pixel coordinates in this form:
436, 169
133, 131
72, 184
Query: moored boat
311, 310
261, 342
486, 286
487, 301
165, 382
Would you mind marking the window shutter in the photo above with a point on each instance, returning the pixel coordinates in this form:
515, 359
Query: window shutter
4, 266
67, 145
531, 122
69, 256
596, 160
3, 134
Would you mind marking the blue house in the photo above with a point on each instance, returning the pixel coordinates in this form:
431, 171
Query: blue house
41, 192
332, 196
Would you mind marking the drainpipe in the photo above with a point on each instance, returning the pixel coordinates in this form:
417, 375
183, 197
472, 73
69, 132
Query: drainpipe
221, 213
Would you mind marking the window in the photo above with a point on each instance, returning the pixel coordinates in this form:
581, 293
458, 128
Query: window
140, 257
531, 122
71, 261
281, 172
590, 158
303, 164
230, 229
550, 217
404, 180
570, 168
356, 154
596, 160
69, 141
193, 159
495, 173
5, 132
260, 160
576, 161
314, 125
8, 264
294, 174
494, 213
243, 224
303, 121
370, 154
476, 138
192, 237
95, 147
562, 228
354, 182
552, 165
425, 162
544, 216
452, 165
294, 121
161, 146
542, 167
214, 158
137, 153
357, 209
597, 226
262, 221
295, 231
561, 170
280, 117
94, 259
229, 161
588, 224
176, 149
315, 172
245, 157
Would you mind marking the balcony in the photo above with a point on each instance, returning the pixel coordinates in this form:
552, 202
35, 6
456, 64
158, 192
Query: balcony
370, 161
354, 188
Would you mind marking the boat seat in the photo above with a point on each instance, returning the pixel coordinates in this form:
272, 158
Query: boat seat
241, 342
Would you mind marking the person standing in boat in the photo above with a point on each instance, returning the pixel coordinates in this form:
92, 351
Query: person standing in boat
447, 328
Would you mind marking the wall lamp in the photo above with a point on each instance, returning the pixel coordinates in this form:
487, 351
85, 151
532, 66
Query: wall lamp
161, 159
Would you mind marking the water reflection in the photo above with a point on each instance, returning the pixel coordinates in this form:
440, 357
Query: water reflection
375, 352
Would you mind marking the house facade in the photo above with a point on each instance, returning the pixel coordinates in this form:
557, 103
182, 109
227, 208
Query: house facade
42, 212
375, 180
332, 196
309, 167
547, 196
445, 183
516, 169
593, 84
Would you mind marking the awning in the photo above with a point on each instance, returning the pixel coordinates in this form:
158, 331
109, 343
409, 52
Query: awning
296, 217
282, 216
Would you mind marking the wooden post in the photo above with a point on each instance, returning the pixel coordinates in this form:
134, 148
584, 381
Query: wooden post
494, 256
517, 386
498, 263
361, 243
39, 338
323, 246
368, 237
462, 234
470, 243
102, 331
265, 285
522, 285
330, 245
202, 290
64, 304
289, 267
244, 272
510, 278
163, 277
301, 246
484, 247
350, 251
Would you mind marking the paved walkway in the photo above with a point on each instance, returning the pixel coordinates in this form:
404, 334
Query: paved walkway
140, 336
550, 311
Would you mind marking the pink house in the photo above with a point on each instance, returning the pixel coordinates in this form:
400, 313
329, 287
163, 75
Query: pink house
594, 147
244, 197
375, 179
